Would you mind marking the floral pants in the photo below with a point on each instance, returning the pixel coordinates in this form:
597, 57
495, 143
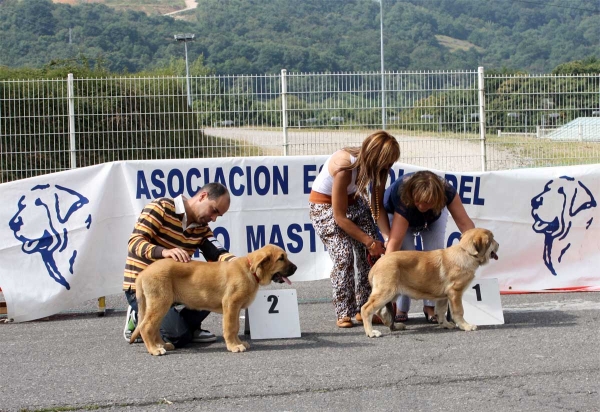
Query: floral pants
349, 292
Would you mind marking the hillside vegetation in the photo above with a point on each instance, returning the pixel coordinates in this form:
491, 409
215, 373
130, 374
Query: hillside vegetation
265, 36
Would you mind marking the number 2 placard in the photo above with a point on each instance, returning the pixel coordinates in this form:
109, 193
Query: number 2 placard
274, 315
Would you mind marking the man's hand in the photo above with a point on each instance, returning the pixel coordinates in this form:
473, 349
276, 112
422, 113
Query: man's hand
177, 254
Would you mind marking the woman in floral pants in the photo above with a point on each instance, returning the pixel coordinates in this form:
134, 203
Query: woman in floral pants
344, 217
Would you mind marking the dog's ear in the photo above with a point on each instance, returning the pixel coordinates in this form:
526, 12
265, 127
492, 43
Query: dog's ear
479, 244
484, 243
471, 248
259, 258
582, 199
67, 202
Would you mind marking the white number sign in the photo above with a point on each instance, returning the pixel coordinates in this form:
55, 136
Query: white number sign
482, 304
274, 315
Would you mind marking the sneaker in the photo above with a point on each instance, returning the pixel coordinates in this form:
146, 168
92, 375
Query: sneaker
130, 322
203, 336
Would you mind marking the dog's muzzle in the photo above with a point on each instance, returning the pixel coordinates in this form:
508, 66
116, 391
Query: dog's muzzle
283, 277
494, 255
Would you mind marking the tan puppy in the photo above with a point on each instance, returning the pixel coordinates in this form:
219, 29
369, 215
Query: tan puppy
222, 287
440, 275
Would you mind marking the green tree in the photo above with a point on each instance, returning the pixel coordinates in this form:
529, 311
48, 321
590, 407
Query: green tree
590, 65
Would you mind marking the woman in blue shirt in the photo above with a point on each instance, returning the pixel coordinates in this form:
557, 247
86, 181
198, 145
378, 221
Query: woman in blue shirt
418, 204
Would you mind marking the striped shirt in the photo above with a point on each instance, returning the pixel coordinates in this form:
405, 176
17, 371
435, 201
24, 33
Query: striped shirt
161, 226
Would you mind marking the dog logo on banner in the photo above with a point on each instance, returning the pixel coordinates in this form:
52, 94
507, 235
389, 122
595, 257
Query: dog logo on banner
55, 206
562, 203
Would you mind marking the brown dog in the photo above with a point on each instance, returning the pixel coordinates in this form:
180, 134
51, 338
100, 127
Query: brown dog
222, 287
441, 275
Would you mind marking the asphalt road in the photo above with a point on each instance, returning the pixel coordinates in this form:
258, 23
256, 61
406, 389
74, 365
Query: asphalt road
545, 358
458, 155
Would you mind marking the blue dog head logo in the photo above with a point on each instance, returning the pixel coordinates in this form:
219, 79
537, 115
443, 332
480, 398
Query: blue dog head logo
555, 210
55, 206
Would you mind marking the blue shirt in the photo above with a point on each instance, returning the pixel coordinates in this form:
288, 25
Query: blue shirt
416, 220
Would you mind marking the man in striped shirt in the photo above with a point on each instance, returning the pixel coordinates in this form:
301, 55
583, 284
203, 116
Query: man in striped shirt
175, 229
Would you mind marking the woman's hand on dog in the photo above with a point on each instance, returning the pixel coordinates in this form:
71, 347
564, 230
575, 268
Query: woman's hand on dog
177, 254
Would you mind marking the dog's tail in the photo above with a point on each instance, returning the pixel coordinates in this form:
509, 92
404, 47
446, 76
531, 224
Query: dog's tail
141, 301
135, 334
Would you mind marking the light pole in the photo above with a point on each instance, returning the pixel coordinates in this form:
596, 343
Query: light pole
186, 38
383, 119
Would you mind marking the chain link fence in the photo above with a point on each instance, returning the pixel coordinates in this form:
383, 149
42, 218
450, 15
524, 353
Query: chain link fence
448, 120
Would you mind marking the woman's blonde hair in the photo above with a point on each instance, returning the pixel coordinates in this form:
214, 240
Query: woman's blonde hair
424, 187
378, 152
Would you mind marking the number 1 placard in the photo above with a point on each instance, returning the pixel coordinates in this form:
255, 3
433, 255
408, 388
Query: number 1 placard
274, 315
482, 304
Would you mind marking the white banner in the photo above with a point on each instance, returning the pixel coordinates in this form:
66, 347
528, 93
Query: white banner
63, 236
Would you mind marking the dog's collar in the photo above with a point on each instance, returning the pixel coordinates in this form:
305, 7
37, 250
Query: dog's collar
253, 273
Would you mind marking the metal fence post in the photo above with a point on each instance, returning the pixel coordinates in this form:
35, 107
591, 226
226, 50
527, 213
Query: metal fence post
481, 85
71, 98
284, 121
73, 153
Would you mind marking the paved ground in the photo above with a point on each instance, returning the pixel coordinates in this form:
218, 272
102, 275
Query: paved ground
545, 358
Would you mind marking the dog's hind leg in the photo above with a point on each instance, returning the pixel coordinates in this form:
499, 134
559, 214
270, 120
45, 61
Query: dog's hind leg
150, 329
456, 307
367, 317
386, 314
374, 305
395, 326
441, 305
160, 342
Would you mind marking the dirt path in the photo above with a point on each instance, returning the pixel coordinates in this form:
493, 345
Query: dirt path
430, 152
189, 5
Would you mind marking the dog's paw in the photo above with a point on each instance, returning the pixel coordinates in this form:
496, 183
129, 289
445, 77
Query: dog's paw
237, 348
169, 346
468, 327
448, 325
246, 344
374, 334
397, 326
158, 351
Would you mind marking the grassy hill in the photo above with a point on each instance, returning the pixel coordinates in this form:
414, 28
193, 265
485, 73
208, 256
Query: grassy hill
264, 36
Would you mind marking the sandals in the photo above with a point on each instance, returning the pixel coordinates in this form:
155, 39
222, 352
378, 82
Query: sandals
401, 318
375, 320
344, 322
430, 319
